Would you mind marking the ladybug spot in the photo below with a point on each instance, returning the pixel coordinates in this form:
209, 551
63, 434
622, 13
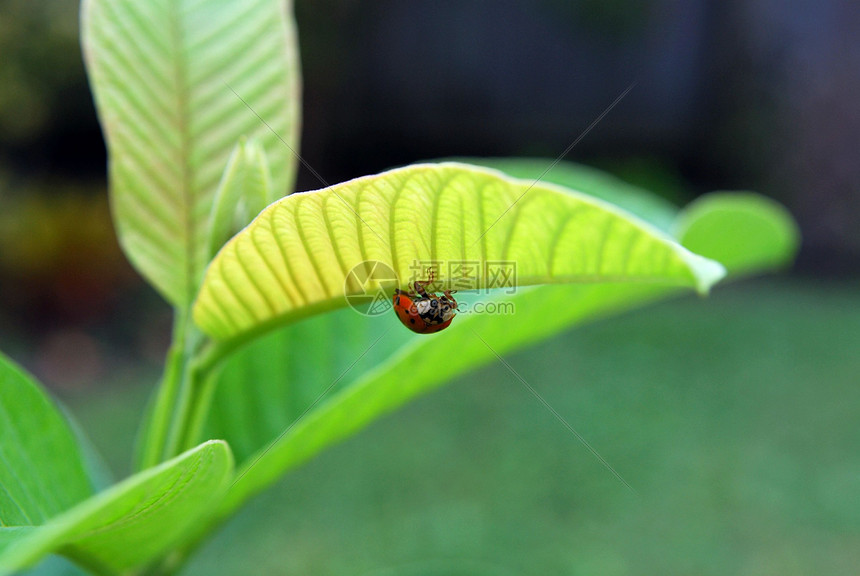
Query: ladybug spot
412, 320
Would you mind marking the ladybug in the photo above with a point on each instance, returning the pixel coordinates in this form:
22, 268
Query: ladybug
423, 312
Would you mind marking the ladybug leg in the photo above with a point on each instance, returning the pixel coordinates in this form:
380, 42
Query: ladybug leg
448, 295
420, 284
419, 288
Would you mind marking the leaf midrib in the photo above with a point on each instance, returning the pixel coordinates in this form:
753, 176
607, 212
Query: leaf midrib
177, 485
182, 124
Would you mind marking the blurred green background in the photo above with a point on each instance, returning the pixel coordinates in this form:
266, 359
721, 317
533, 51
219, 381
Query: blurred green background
735, 418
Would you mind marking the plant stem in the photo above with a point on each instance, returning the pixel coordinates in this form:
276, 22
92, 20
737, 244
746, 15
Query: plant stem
203, 388
186, 396
157, 431
177, 405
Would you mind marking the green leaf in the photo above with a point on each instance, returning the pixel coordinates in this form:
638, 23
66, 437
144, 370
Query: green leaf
42, 468
294, 259
638, 201
406, 374
134, 522
479, 339
12, 535
164, 73
244, 191
267, 385
746, 232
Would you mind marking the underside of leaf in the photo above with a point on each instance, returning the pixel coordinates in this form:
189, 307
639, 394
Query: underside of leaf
359, 379
300, 255
177, 83
645, 204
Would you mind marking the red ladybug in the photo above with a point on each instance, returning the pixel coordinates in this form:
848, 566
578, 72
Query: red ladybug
423, 312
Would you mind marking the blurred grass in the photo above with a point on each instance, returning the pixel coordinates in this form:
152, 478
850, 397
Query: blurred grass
734, 418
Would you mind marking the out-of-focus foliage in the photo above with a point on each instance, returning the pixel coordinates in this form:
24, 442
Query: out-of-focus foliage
43, 472
131, 523
734, 419
746, 232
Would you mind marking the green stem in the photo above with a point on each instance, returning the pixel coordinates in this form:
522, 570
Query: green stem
186, 397
182, 400
157, 431
195, 396
202, 391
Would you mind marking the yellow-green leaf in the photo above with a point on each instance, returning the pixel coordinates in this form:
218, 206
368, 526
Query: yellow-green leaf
293, 260
645, 204
263, 417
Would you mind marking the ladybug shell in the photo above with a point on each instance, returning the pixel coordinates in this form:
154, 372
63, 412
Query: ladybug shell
404, 307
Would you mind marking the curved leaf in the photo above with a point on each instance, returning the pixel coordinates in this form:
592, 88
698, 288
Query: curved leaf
746, 232
638, 201
42, 467
163, 73
289, 368
294, 259
134, 522
537, 313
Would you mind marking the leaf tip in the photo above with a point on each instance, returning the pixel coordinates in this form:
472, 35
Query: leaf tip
706, 272
219, 448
